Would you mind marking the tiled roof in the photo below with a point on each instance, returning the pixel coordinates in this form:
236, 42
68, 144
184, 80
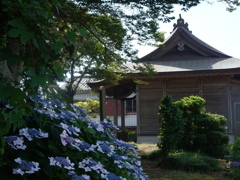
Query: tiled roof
192, 64
184, 52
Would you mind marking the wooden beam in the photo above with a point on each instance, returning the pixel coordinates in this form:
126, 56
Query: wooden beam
122, 115
102, 100
115, 110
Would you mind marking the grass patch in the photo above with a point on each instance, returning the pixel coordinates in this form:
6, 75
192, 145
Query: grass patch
147, 151
187, 161
150, 164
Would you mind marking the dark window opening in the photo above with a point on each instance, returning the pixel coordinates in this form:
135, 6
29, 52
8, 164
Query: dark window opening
131, 106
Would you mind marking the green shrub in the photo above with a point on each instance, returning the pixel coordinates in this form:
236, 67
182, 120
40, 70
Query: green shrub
235, 158
171, 130
203, 131
186, 125
92, 106
59, 142
235, 150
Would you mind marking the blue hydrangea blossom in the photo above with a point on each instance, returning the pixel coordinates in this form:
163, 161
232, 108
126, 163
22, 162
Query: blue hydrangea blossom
15, 142
25, 167
63, 142
32, 133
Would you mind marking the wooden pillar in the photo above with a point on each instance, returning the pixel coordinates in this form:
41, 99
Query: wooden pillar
102, 100
122, 115
115, 110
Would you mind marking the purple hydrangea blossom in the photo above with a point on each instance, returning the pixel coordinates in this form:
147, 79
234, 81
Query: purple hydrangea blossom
49, 113
86, 147
80, 145
107, 124
32, 133
235, 164
61, 162
122, 154
103, 146
89, 164
82, 177
77, 108
66, 139
96, 126
57, 103
9, 107
68, 115
76, 177
112, 176
124, 146
116, 157
227, 156
25, 167
15, 142
70, 129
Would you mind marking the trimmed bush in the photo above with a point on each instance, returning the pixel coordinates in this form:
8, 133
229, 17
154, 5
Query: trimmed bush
235, 159
186, 124
60, 142
172, 127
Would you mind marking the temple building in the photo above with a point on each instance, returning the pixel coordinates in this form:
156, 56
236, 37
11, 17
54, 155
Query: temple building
185, 66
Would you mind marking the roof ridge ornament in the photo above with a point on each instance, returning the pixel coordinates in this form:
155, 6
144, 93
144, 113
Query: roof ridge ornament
180, 24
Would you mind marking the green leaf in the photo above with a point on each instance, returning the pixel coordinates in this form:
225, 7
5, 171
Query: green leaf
26, 36
31, 72
90, 130
59, 70
42, 79
72, 36
14, 32
6, 91
39, 153
53, 148
6, 54
2, 143
57, 47
83, 32
34, 82
46, 57
17, 23
5, 127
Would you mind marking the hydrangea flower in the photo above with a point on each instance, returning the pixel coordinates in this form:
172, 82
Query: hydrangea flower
107, 124
74, 176
9, 107
61, 162
112, 176
25, 167
85, 146
15, 142
89, 164
70, 129
32, 133
235, 164
66, 139
103, 146
96, 126
77, 108
82, 177
124, 146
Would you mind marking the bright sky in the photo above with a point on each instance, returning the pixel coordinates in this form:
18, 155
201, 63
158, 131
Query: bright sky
210, 23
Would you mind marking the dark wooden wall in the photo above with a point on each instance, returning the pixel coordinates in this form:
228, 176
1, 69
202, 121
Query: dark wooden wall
221, 95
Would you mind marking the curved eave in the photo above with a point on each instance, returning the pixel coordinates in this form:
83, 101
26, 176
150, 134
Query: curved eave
120, 91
